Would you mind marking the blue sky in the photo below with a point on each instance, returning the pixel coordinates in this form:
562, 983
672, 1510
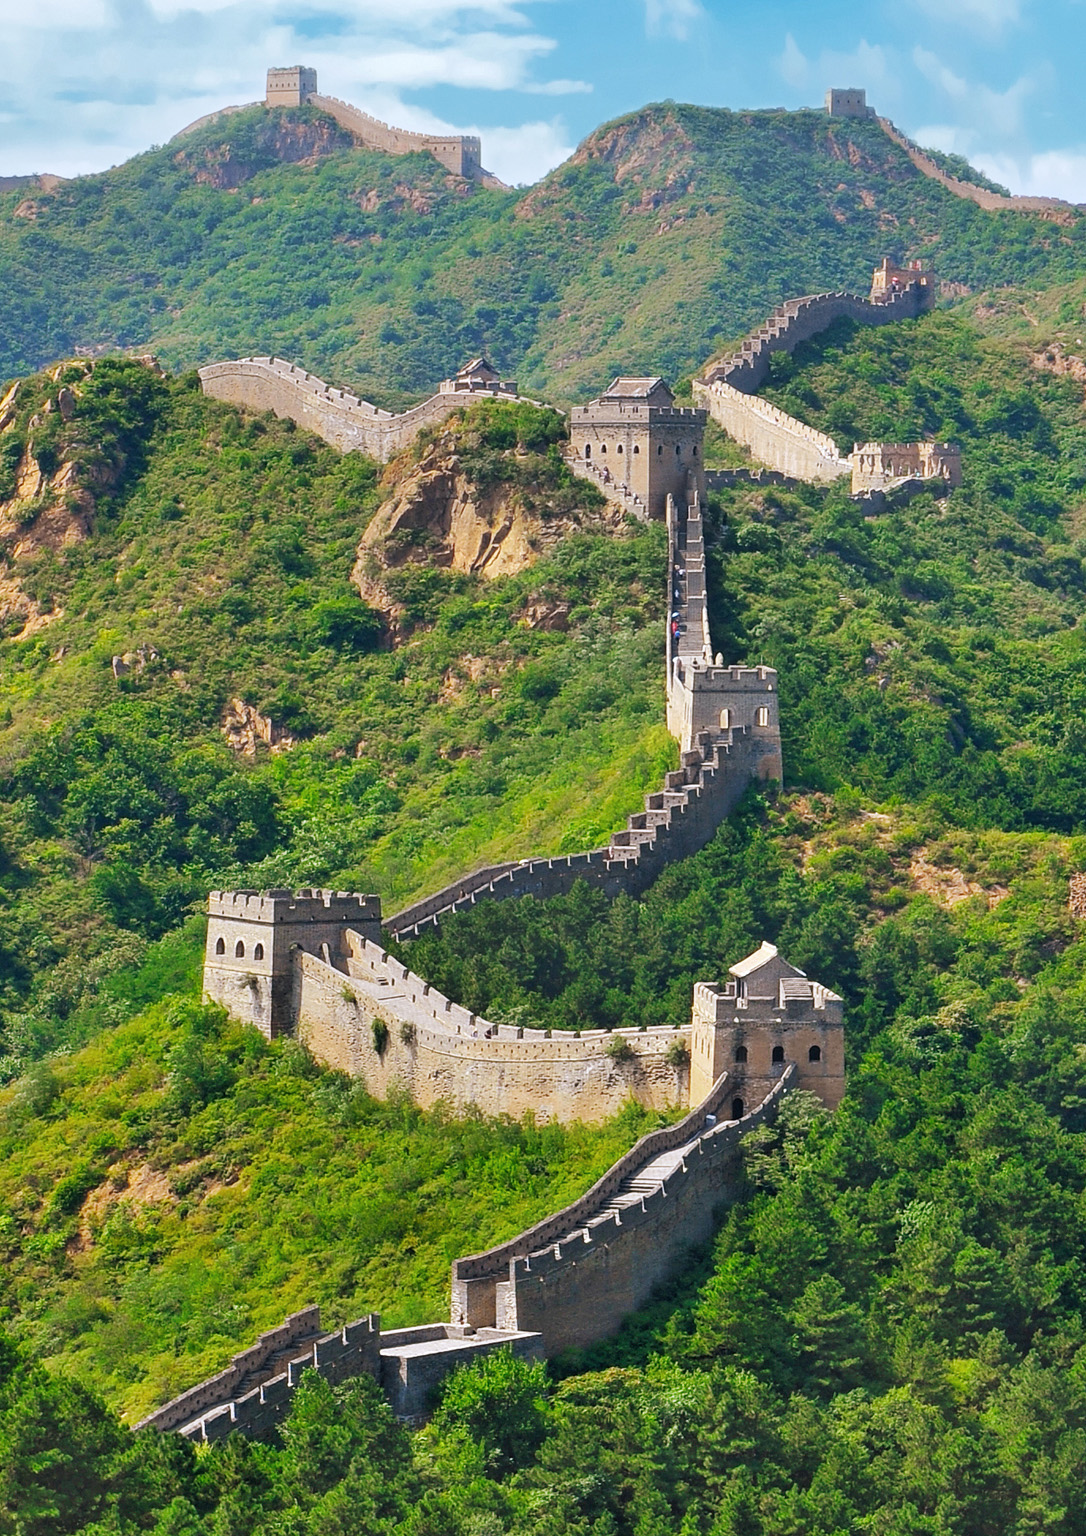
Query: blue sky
86, 83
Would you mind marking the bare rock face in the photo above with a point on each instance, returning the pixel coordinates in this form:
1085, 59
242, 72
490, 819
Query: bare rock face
246, 730
438, 516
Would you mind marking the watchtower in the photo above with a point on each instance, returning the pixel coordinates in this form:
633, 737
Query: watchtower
889, 281
252, 937
767, 1015
637, 436
290, 87
849, 102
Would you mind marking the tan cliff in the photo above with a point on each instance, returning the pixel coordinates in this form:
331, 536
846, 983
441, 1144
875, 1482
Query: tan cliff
438, 516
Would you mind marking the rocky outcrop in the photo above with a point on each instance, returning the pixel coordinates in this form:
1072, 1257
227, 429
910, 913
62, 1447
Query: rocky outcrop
247, 730
438, 516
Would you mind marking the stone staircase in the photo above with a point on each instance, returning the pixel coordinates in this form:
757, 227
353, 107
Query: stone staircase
617, 494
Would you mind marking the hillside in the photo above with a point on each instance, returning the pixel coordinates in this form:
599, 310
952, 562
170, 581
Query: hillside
668, 233
231, 656
515, 711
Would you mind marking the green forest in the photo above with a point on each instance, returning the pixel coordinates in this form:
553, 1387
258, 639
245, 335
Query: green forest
670, 232
887, 1332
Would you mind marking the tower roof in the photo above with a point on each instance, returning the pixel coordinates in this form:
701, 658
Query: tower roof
654, 390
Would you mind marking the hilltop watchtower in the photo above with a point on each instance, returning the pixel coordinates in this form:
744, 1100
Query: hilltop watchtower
848, 102
767, 1015
635, 435
252, 937
290, 87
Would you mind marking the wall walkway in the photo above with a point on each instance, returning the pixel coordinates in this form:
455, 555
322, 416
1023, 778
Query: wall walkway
573, 1277
727, 389
340, 418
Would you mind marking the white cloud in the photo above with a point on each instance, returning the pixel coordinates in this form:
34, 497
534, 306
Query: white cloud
522, 155
671, 18
991, 14
998, 115
1054, 173
869, 66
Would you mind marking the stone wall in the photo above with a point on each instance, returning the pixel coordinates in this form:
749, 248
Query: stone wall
991, 202
255, 1390
340, 418
437, 1051
677, 821
789, 446
574, 1277
461, 154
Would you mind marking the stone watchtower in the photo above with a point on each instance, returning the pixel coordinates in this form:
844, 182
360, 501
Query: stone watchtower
290, 87
252, 937
848, 102
637, 434
766, 1016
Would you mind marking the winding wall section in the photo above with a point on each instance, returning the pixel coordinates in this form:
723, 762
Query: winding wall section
727, 389
340, 418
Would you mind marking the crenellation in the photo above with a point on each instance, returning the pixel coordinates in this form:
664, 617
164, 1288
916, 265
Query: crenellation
340, 418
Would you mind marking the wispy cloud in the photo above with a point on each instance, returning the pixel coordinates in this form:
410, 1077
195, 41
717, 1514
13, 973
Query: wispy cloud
1054, 173
868, 65
979, 110
671, 18
977, 15
93, 81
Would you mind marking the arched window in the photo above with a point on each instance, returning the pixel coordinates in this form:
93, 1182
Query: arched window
678, 450
636, 449
763, 716
740, 1053
588, 450
258, 952
659, 450
778, 1053
815, 1053
220, 946
619, 448
695, 450
737, 1109
725, 719
239, 951
603, 447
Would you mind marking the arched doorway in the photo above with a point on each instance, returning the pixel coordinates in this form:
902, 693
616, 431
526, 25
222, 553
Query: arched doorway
737, 1109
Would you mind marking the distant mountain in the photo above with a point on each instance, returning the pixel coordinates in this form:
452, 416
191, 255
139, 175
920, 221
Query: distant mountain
668, 233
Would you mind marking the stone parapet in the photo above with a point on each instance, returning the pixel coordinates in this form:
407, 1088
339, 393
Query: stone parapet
337, 416
385, 1025
575, 1276
991, 202
792, 448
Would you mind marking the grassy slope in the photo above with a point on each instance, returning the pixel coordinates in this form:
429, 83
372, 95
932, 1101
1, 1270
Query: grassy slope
223, 549
177, 1186
669, 232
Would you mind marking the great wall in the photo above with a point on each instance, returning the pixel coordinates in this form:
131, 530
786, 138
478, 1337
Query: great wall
312, 964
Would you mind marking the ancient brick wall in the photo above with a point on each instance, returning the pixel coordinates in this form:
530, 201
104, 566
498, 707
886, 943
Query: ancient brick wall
574, 1277
461, 154
337, 416
774, 438
991, 202
440, 1052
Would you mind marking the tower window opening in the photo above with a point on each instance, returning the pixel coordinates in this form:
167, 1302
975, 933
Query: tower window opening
239, 951
778, 1053
588, 450
258, 952
725, 719
740, 1053
619, 448
220, 946
763, 716
636, 449
815, 1053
